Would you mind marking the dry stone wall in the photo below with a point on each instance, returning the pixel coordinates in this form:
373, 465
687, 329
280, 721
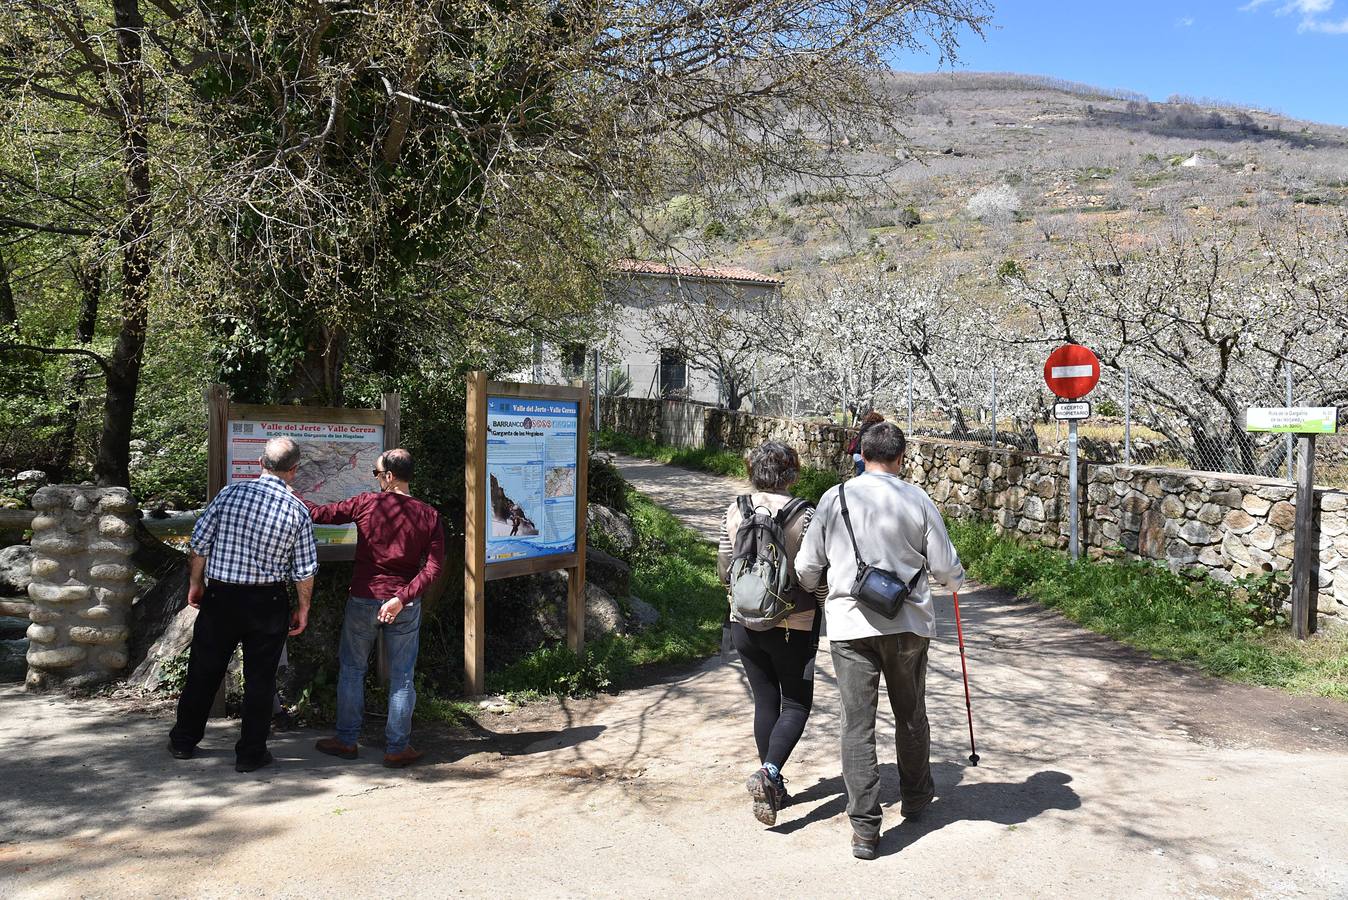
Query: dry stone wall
82, 584
1227, 526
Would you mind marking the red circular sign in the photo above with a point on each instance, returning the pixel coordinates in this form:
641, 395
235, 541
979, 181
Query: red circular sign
1071, 371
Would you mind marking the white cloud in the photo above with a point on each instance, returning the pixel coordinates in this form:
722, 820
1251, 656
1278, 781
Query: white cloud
1323, 27
1184, 22
1310, 12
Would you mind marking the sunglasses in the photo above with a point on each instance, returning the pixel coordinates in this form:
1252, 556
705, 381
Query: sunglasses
377, 472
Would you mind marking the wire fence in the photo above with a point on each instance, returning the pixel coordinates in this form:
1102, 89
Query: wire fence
1130, 422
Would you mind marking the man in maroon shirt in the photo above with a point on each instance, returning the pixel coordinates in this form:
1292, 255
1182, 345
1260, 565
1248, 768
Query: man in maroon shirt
400, 549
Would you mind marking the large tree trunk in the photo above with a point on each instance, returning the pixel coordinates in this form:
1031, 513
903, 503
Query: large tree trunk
9, 315
112, 466
90, 280
317, 379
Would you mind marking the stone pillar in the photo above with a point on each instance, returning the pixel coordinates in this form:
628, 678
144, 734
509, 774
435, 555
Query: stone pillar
82, 584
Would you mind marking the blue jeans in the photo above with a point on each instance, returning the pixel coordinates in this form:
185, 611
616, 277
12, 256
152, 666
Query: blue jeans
401, 641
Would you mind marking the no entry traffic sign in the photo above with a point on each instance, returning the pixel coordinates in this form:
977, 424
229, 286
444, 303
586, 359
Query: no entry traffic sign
1071, 371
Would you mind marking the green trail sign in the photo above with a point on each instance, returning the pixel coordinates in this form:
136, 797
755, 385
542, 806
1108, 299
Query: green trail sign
1293, 419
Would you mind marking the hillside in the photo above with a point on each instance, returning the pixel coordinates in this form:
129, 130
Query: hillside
1059, 158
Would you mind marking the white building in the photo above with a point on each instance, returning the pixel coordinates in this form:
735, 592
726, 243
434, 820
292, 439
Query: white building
638, 358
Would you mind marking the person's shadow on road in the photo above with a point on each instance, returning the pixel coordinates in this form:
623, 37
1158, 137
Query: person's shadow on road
1003, 802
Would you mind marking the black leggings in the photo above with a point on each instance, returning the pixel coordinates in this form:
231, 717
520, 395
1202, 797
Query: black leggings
780, 670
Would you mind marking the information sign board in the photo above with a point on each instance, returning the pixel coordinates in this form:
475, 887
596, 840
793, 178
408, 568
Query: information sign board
1293, 419
338, 450
336, 460
532, 451
1072, 411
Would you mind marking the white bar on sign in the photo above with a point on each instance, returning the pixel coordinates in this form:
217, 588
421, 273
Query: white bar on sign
1073, 371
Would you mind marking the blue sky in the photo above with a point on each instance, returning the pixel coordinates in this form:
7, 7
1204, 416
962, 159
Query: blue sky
1288, 55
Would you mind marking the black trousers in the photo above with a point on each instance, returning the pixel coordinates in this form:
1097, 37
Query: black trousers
257, 616
779, 664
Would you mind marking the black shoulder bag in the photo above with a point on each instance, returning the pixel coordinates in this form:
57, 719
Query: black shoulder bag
876, 588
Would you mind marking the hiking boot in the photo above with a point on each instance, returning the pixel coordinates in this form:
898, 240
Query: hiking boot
402, 759
914, 810
769, 796
181, 752
864, 848
333, 747
253, 765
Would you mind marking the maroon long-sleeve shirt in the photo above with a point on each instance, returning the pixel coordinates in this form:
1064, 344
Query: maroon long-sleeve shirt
400, 546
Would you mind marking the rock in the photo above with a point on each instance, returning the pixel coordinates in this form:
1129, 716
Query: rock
1180, 554
1034, 509
1238, 521
1334, 501
16, 565
602, 614
1235, 551
643, 614
610, 529
175, 639
1283, 516
1263, 537
1199, 533
1151, 535
609, 572
1210, 513
1255, 505
1172, 506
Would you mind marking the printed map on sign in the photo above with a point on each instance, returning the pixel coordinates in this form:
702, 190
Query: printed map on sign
531, 477
335, 462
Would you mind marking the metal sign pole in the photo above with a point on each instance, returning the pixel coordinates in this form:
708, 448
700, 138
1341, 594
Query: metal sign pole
1291, 445
994, 407
1127, 420
1073, 539
596, 390
910, 400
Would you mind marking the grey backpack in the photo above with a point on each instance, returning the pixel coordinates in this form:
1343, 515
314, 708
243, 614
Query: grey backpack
762, 584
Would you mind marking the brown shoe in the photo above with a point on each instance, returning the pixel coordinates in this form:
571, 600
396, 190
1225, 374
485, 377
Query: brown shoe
333, 747
401, 759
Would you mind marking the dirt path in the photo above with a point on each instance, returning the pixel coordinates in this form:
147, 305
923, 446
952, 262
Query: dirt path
1103, 774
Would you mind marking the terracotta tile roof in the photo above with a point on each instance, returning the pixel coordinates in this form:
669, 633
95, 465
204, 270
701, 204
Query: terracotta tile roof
714, 273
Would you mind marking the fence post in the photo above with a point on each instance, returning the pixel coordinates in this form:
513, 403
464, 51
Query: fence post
596, 389
910, 399
994, 407
1291, 444
1127, 420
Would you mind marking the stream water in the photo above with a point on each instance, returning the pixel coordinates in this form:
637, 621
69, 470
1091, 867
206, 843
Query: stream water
13, 648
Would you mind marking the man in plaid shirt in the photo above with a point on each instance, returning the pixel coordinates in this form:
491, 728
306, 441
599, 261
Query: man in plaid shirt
253, 538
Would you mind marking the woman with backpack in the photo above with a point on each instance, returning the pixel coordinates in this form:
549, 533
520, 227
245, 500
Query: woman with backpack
871, 419
774, 623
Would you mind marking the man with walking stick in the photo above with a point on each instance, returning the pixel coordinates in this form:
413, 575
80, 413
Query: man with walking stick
873, 539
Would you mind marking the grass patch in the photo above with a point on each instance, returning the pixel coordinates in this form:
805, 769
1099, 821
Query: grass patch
1225, 630
674, 570
812, 484
718, 462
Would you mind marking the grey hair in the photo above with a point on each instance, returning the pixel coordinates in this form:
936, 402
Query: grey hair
398, 463
882, 442
280, 455
773, 466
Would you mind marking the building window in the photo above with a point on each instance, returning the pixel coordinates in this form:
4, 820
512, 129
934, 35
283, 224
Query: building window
573, 360
673, 373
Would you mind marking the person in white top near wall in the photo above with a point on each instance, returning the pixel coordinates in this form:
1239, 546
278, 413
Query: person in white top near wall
897, 528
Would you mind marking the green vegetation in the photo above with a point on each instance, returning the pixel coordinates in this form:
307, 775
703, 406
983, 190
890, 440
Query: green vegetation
1225, 630
674, 570
812, 484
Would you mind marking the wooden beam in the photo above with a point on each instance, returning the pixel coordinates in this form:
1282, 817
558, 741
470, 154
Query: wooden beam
217, 439
337, 415
392, 407
475, 535
1305, 554
575, 595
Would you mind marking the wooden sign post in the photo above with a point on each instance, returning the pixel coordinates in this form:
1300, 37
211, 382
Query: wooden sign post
1305, 422
525, 481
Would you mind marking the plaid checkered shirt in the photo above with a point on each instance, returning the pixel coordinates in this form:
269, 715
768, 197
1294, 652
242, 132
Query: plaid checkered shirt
256, 532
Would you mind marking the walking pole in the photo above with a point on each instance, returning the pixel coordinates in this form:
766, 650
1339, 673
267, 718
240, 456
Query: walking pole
968, 705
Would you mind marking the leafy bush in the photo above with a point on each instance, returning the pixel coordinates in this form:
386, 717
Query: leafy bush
813, 483
606, 486
909, 218
558, 671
